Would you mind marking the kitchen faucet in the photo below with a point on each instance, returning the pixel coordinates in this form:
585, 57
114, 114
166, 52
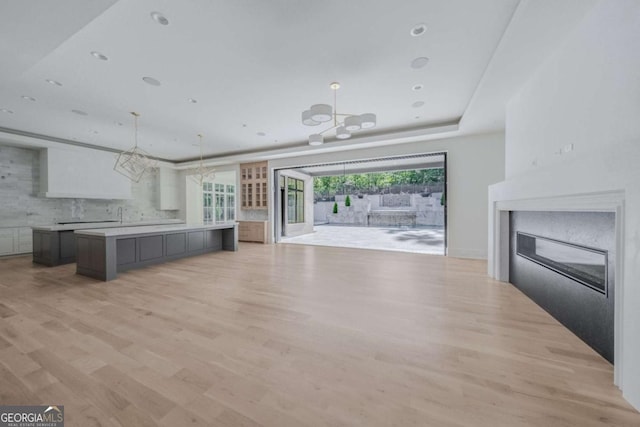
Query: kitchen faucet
120, 213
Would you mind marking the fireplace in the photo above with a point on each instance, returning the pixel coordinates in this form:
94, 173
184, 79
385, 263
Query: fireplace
565, 262
582, 264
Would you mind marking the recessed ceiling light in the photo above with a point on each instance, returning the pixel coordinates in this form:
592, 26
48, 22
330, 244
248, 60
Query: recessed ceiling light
416, 117
28, 98
417, 87
261, 134
4, 110
417, 104
119, 123
244, 125
95, 132
151, 81
53, 82
193, 101
419, 62
419, 29
99, 55
159, 18
80, 112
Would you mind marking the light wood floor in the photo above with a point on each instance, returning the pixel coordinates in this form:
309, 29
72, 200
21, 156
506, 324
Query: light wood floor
289, 335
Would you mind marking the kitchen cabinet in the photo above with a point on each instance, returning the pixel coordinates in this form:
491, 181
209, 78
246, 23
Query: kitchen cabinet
167, 186
252, 231
15, 240
103, 253
253, 185
56, 244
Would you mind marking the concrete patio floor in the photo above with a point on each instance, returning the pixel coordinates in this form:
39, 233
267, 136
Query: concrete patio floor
426, 240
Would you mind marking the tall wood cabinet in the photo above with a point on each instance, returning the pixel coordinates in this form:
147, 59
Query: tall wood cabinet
253, 185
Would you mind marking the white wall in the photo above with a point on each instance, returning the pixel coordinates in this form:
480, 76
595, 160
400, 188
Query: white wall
473, 162
587, 94
582, 95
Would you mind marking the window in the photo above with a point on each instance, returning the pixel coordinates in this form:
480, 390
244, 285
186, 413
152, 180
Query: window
295, 201
219, 202
207, 202
230, 213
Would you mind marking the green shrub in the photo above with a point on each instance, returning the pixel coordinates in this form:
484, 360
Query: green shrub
347, 201
442, 200
335, 208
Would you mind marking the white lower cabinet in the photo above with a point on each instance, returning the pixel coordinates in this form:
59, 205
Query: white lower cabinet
15, 240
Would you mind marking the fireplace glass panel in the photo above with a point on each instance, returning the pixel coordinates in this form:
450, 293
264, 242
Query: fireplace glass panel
585, 265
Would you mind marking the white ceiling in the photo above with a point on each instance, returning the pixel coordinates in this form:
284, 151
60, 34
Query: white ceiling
247, 62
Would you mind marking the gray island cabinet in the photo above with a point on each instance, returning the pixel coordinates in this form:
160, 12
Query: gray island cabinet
103, 253
56, 245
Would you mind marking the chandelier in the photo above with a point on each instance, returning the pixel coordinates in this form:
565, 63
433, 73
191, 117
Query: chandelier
344, 124
202, 173
135, 162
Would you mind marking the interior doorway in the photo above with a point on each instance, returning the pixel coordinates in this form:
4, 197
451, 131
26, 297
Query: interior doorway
396, 203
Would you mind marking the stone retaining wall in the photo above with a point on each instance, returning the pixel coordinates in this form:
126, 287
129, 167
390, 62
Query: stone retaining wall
370, 210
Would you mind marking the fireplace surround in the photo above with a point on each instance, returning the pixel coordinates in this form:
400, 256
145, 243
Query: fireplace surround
564, 262
502, 204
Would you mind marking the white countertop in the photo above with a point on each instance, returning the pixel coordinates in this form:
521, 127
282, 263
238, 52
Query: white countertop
93, 225
126, 231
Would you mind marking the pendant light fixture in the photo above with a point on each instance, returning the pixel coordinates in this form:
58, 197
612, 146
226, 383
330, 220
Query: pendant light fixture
322, 113
134, 162
202, 173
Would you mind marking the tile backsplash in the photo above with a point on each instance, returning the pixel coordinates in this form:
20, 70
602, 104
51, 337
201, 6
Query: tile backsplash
20, 205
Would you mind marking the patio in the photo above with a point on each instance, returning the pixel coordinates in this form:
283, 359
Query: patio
423, 239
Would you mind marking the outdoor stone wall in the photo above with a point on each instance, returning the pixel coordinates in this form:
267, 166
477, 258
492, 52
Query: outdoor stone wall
395, 200
20, 206
429, 211
393, 218
370, 210
356, 214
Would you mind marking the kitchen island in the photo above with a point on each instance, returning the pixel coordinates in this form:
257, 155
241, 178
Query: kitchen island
55, 244
103, 253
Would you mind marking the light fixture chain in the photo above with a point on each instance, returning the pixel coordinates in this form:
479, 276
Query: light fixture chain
335, 108
202, 173
135, 128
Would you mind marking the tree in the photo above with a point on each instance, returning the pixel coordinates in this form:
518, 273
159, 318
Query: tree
347, 201
375, 182
335, 208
